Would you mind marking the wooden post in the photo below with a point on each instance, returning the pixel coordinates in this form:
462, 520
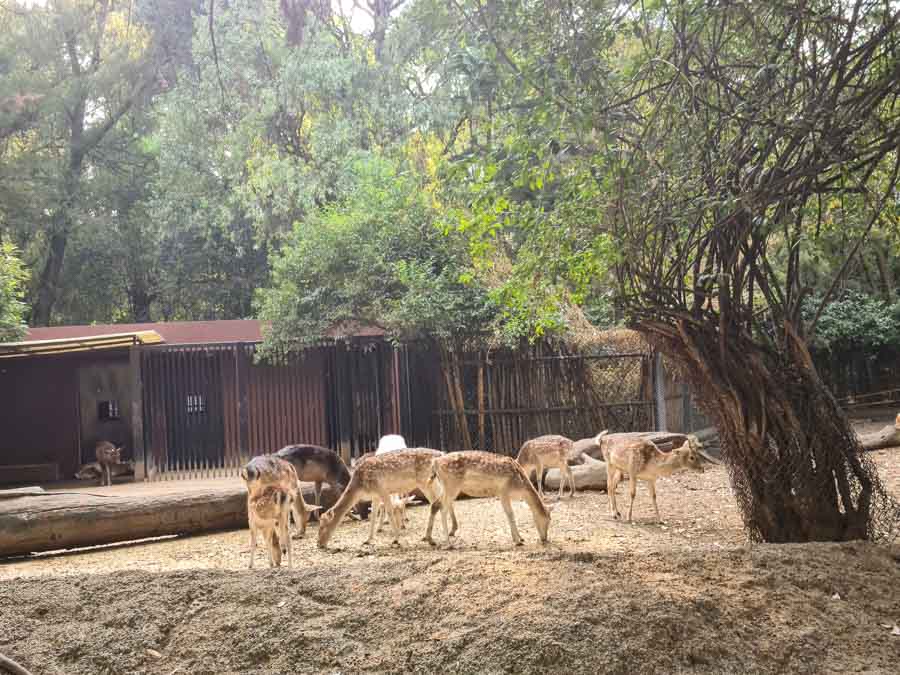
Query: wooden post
659, 392
481, 403
241, 387
142, 464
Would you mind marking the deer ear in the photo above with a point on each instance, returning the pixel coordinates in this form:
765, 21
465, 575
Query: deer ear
600, 435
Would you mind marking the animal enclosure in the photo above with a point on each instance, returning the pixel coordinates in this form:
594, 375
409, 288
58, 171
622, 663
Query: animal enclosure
209, 408
496, 401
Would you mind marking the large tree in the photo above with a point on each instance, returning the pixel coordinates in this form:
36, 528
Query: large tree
713, 133
75, 69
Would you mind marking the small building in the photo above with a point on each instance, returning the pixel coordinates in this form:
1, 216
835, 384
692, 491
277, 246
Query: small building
186, 398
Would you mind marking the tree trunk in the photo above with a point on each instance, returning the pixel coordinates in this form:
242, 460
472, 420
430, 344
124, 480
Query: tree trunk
795, 463
48, 284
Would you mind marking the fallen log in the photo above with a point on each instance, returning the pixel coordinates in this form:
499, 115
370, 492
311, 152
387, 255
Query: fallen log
55, 521
588, 476
21, 492
888, 437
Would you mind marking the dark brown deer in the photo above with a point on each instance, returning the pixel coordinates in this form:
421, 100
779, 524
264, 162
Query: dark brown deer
315, 464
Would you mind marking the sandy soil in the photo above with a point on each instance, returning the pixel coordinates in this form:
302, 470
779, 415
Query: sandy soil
689, 595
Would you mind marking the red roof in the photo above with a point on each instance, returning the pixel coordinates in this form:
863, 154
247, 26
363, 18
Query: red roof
187, 332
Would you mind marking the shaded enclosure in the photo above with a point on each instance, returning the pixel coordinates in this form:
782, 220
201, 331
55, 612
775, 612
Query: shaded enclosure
211, 407
208, 408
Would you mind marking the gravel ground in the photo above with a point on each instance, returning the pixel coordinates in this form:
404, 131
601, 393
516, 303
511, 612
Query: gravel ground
689, 595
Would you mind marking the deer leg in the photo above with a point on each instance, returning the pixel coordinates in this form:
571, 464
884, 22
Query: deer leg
317, 493
612, 481
567, 470
373, 516
540, 479
651, 487
436, 504
632, 489
454, 523
377, 515
252, 546
286, 537
299, 518
507, 507
385, 504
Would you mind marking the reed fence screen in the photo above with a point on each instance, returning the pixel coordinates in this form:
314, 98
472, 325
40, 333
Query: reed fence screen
496, 401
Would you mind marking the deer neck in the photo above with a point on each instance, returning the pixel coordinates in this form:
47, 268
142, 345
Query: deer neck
668, 464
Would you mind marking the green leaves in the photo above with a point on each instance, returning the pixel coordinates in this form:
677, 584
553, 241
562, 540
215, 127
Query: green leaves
12, 280
375, 257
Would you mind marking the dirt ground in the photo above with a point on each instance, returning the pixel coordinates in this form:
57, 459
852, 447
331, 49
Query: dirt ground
690, 595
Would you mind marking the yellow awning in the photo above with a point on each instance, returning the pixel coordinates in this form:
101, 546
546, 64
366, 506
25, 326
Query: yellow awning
78, 344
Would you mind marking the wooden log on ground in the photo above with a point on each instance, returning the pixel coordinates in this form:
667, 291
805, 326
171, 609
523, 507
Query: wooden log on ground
588, 476
55, 521
22, 492
888, 437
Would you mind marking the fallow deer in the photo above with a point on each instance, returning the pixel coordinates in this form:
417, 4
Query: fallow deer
642, 460
483, 474
376, 478
397, 510
547, 452
268, 470
315, 464
268, 513
107, 454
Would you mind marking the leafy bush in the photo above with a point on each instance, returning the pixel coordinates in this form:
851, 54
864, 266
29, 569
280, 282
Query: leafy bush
12, 280
855, 321
375, 257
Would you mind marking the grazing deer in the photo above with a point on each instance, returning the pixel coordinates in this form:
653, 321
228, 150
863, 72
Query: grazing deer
268, 513
642, 460
547, 452
397, 510
315, 464
376, 478
483, 474
107, 454
269, 470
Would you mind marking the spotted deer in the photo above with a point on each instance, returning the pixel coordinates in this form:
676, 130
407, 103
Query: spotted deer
484, 474
397, 510
547, 452
107, 455
268, 513
269, 470
375, 479
642, 460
